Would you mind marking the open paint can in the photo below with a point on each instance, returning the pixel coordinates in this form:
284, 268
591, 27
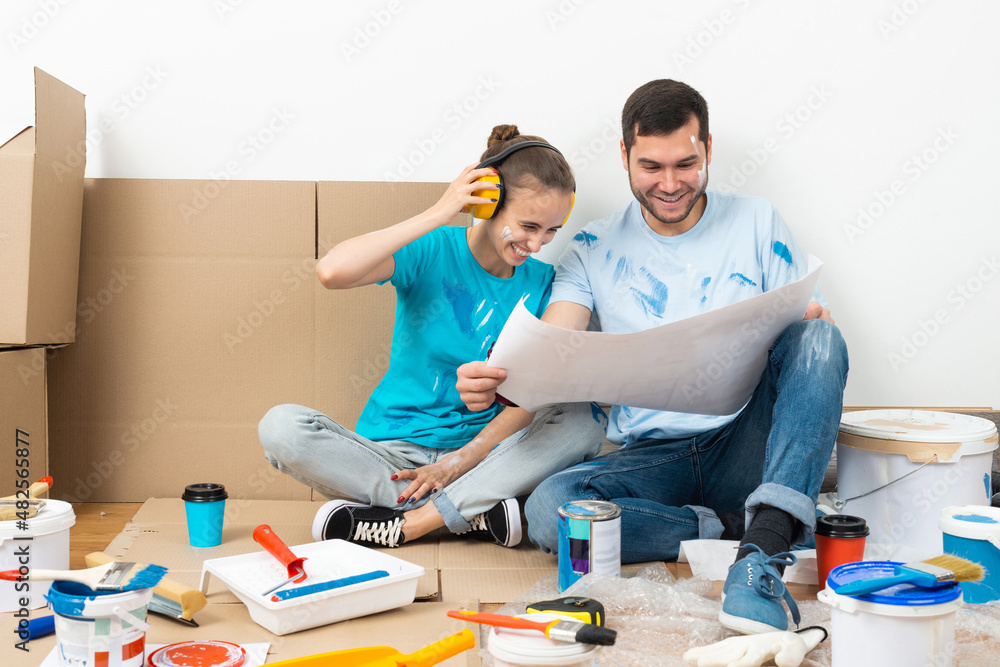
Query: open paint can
897, 469
529, 648
590, 536
43, 540
901, 625
973, 532
99, 628
212, 653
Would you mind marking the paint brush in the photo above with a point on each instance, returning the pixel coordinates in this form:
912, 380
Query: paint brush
113, 576
560, 629
170, 598
9, 509
931, 573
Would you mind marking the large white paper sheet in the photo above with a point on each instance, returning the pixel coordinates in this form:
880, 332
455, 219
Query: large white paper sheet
708, 364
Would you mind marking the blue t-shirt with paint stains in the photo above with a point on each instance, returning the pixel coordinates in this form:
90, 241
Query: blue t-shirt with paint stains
635, 279
449, 311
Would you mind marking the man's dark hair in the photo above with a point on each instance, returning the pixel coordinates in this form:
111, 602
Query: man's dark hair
661, 107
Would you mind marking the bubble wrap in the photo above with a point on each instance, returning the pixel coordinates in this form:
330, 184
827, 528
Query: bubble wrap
658, 617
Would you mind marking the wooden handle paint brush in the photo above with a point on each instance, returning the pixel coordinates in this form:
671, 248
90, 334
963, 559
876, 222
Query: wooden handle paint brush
170, 598
560, 629
9, 510
931, 573
113, 576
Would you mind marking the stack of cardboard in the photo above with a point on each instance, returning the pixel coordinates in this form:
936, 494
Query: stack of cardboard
41, 207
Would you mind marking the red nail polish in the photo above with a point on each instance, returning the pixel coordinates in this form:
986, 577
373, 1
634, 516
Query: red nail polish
400, 499
394, 478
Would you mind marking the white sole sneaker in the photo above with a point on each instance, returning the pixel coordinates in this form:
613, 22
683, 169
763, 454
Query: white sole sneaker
323, 516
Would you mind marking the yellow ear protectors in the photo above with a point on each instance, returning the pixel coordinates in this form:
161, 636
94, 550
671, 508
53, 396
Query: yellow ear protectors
487, 211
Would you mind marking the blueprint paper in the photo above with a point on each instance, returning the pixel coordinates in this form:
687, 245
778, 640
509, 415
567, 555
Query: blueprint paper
708, 364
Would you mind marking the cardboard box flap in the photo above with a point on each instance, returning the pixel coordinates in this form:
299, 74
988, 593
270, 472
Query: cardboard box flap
60, 122
21, 142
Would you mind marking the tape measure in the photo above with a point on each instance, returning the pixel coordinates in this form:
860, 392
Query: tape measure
587, 610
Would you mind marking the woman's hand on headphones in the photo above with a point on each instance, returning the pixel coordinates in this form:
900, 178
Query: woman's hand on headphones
461, 192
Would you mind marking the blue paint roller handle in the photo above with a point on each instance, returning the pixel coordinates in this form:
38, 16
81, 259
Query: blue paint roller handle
327, 585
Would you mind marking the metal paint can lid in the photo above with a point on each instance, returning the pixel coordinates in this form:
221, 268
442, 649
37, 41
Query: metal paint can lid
212, 653
590, 510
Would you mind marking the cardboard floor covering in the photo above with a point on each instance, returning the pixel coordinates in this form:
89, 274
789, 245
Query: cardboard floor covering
459, 574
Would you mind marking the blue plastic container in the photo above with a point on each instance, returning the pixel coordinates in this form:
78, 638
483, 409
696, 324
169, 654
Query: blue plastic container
973, 532
205, 506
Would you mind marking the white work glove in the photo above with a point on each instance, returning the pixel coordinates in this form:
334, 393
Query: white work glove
787, 648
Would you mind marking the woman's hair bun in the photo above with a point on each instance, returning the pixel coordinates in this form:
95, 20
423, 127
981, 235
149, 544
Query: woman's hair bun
500, 134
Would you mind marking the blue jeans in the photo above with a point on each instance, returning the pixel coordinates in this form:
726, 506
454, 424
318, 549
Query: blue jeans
339, 463
774, 452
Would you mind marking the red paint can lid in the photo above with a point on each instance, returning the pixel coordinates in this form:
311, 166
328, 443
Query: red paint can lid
212, 653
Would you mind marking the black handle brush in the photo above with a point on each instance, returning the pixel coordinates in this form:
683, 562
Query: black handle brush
560, 629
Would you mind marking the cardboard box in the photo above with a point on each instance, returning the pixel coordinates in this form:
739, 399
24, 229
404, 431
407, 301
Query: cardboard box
23, 419
199, 311
41, 203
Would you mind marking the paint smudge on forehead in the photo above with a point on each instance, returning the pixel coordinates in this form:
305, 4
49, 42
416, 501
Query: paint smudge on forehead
781, 250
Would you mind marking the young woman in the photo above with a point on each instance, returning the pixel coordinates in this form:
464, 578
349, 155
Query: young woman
455, 286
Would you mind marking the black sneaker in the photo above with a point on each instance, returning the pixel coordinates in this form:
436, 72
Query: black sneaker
501, 524
358, 523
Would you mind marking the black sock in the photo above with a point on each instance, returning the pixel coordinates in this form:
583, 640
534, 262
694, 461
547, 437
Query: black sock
771, 530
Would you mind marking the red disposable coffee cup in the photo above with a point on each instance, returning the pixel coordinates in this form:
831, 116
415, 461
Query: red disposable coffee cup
840, 539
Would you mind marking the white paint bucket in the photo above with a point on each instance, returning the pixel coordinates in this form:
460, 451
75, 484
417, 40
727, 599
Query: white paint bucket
43, 544
902, 625
102, 628
529, 648
897, 469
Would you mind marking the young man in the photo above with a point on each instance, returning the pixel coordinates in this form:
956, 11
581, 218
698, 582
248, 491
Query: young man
674, 252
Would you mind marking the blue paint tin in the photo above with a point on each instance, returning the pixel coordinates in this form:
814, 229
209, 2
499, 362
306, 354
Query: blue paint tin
589, 540
973, 532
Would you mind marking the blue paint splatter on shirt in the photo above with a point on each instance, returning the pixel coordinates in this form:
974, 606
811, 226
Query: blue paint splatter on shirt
655, 302
462, 303
781, 250
585, 237
742, 279
608, 256
704, 290
624, 268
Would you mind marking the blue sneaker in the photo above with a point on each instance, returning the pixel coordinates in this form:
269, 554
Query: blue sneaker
751, 596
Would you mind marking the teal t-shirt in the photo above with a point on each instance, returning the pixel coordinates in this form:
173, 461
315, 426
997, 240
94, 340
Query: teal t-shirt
449, 311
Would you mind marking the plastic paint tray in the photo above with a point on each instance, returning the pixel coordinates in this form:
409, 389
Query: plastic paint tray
249, 575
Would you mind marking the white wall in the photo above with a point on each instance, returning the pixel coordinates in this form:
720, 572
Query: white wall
836, 102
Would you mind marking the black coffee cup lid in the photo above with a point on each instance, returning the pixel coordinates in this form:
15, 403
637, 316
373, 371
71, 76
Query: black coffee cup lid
204, 493
841, 525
